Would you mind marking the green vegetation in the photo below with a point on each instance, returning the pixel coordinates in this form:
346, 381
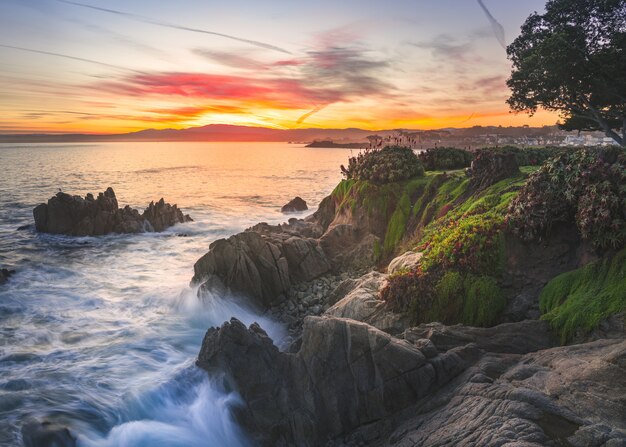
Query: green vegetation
570, 59
445, 158
528, 156
587, 186
484, 301
462, 245
387, 165
578, 300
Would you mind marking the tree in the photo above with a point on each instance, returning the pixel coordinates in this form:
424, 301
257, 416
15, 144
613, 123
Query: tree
572, 59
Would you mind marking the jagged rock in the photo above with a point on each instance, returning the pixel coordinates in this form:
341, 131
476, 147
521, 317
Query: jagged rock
564, 396
294, 205
349, 248
362, 303
260, 266
405, 261
489, 167
346, 374
162, 215
4, 275
514, 338
77, 216
46, 434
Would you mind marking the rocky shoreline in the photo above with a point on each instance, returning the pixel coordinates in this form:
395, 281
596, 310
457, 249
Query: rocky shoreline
354, 371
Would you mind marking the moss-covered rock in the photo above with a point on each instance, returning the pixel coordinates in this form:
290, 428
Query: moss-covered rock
577, 301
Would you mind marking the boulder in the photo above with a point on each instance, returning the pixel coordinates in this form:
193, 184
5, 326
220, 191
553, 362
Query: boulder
294, 205
260, 265
362, 303
346, 374
405, 261
46, 434
89, 216
5, 274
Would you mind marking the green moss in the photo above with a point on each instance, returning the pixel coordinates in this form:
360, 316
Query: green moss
378, 252
580, 299
484, 301
397, 223
460, 298
448, 300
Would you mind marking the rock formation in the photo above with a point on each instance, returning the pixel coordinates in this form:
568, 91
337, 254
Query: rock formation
351, 384
4, 275
89, 216
295, 205
46, 434
346, 374
263, 262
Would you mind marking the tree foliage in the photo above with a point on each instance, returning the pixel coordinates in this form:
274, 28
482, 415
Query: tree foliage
572, 59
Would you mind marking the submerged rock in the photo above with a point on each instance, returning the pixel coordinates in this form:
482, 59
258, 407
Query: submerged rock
5, 274
294, 205
46, 434
89, 216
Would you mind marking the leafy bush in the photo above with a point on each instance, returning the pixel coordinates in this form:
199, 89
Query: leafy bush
469, 242
444, 158
528, 156
587, 186
386, 165
578, 300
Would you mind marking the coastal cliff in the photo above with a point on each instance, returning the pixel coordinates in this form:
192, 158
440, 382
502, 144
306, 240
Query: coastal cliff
435, 308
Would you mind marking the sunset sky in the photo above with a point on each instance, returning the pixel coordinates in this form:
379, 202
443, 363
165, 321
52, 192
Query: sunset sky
124, 65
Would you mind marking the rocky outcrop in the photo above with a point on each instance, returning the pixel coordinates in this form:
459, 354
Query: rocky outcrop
345, 375
5, 274
162, 215
362, 303
513, 338
46, 434
350, 384
89, 216
529, 266
262, 263
565, 396
294, 205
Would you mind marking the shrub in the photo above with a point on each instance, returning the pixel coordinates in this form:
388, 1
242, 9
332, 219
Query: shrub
577, 301
468, 242
531, 156
445, 158
587, 186
386, 165
409, 289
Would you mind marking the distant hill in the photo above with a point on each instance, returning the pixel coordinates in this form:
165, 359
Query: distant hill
227, 132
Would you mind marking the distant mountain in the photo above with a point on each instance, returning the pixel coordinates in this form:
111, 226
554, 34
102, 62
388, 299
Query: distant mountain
227, 132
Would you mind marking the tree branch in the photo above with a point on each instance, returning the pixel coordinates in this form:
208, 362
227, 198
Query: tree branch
602, 122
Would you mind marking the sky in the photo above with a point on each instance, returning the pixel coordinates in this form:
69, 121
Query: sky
124, 65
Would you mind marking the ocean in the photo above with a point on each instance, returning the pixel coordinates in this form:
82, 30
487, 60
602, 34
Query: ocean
101, 333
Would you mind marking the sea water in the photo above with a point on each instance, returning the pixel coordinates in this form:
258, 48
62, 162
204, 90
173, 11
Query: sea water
101, 333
